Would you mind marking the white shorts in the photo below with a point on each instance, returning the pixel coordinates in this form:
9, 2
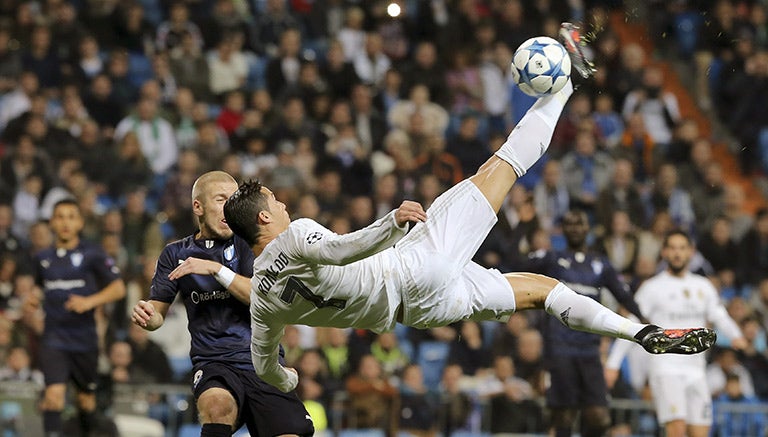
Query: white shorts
443, 285
682, 397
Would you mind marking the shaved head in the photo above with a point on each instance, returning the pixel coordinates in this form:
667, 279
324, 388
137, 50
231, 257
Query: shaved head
206, 180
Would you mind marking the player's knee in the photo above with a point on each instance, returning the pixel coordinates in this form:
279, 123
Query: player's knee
563, 417
217, 406
597, 420
53, 398
86, 401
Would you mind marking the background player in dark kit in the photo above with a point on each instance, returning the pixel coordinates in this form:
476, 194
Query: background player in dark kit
573, 357
211, 269
76, 277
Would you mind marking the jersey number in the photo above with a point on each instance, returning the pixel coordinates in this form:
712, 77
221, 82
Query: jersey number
294, 286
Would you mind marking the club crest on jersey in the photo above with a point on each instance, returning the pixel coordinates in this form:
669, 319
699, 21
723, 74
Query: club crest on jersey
597, 267
229, 252
314, 237
77, 259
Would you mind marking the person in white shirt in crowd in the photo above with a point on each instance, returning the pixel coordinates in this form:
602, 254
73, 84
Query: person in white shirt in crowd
156, 135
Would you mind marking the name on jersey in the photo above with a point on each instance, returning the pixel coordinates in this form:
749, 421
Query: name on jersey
64, 284
271, 273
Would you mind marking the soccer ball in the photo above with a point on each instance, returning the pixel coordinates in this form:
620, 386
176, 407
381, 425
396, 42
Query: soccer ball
541, 66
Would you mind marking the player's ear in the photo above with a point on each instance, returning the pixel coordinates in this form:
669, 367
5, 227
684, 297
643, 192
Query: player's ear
197, 207
264, 217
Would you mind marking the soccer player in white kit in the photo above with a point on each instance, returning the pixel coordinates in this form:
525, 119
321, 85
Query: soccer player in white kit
677, 298
305, 274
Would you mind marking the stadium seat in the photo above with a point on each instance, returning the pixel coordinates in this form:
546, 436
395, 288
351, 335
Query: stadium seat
190, 430
362, 433
129, 425
432, 356
139, 69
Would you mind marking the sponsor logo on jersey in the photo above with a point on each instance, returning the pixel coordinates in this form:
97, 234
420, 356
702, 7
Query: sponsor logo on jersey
77, 259
229, 252
196, 379
314, 237
597, 267
207, 296
208, 244
45, 263
64, 284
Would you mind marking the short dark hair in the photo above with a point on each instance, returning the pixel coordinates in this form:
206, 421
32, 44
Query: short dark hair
675, 232
67, 201
242, 208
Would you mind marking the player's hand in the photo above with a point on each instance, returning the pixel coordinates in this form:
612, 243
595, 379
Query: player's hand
142, 313
410, 211
78, 304
194, 266
611, 376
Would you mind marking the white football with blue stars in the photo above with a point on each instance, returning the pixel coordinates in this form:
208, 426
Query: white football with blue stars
541, 66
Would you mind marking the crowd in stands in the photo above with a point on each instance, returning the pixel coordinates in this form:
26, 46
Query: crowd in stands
344, 111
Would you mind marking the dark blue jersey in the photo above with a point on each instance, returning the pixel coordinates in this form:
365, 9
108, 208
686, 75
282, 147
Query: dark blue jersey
586, 273
220, 325
84, 270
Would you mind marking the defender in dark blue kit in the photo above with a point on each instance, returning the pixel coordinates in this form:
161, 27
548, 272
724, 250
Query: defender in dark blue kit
211, 270
76, 277
573, 357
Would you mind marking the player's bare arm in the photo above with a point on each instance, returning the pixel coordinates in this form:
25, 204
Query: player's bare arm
150, 315
112, 292
240, 287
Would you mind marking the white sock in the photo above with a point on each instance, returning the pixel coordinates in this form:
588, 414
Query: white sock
531, 136
585, 314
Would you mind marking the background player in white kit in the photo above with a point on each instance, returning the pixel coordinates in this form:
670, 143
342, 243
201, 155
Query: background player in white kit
677, 298
306, 274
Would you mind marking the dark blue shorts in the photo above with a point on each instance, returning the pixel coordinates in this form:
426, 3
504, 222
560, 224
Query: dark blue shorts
264, 409
59, 366
576, 382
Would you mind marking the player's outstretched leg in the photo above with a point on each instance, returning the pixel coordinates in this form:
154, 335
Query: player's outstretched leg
533, 291
524, 146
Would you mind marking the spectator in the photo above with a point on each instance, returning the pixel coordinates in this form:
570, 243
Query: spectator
719, 248
371, 397
352, 36
17, 367
752, 249
227, 66
659, 108
338, 71
270, 26
150, 363
622, 194
42, 59
101, 104
283, 69
190, 68
620, 244
469, 351
667, 195
169, 32
418, 407
155, 136
435, 118
729, 423
587, 172
372, 64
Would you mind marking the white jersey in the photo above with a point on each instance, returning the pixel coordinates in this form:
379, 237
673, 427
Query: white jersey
310, 276
682, 302
301, 271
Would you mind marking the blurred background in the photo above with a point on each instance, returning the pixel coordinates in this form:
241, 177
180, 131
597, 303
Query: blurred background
344, 108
